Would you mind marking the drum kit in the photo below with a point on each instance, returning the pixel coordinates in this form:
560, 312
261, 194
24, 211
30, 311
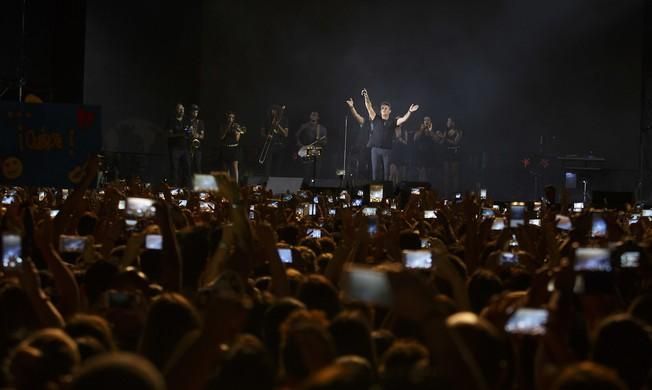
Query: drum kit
310, 152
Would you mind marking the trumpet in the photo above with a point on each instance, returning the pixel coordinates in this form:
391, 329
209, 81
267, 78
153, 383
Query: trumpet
240, 129
195, 143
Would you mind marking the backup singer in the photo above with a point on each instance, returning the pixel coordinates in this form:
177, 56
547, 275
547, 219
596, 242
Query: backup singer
178, 130
451, 139
382, 132
230, 151
197, 134
428, 152
399, 156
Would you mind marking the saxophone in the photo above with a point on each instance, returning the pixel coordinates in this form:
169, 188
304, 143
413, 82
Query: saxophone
196, 142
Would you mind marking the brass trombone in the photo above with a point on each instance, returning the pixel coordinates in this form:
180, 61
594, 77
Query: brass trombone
266, 146
276, 122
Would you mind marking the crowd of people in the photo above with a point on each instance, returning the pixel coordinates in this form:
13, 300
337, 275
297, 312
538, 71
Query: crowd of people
239, 288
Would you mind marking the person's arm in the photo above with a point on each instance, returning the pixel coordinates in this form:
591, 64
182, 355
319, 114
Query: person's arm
419, 133
267, 238
455, 140
323, 132
171, 277
284, 130
344, 253
298, 134
199, 352
47, 313
282, 125
403, 138
437, 136
368, 105
74, 200
401, 120
65, 281
217, 262
231, 191
200, 129
358, 118
169, 126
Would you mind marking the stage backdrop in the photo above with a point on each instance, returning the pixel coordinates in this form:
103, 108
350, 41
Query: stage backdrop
47, 144
528, 81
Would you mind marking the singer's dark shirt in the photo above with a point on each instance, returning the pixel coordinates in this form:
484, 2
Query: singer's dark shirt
177, 136
382, 132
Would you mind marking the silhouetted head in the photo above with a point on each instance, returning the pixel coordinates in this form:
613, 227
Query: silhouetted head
624, 344
588, 376
124, 371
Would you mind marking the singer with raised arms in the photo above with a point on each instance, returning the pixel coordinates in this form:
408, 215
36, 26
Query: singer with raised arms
381, 132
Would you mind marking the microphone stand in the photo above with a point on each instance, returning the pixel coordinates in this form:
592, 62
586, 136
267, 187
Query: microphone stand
21, 60
20, 68
346, 138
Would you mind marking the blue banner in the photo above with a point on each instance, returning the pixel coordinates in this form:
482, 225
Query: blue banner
47, 144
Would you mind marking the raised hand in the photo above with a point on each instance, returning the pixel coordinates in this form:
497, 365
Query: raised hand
413, 107
364, 92
228, 188
349, 102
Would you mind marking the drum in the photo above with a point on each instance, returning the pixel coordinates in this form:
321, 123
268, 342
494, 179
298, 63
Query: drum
309, 152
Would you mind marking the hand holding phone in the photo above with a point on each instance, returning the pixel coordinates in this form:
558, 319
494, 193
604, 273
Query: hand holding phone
372, 227
204, 183
527, 321
117, 299
592, 259
314, 233
140, 207
154, 241
429, 214
630, 259
375, 193
417, 259
508, 258
498, 223
285, 254
72, 244
516, 214
598, 225
11, 251
366, 285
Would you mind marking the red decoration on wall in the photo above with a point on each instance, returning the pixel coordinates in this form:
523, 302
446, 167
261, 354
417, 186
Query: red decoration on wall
85, 118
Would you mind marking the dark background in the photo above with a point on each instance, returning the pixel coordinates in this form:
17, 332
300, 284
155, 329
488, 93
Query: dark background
511, 72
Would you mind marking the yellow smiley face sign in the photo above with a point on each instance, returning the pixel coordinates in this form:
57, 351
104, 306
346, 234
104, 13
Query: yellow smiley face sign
12, 168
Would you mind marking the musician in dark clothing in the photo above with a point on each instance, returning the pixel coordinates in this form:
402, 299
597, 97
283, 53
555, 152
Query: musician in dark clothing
230, 150
275, 133
428, 152
178, 131
452, 138
399, 156
310, 134
197, 135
